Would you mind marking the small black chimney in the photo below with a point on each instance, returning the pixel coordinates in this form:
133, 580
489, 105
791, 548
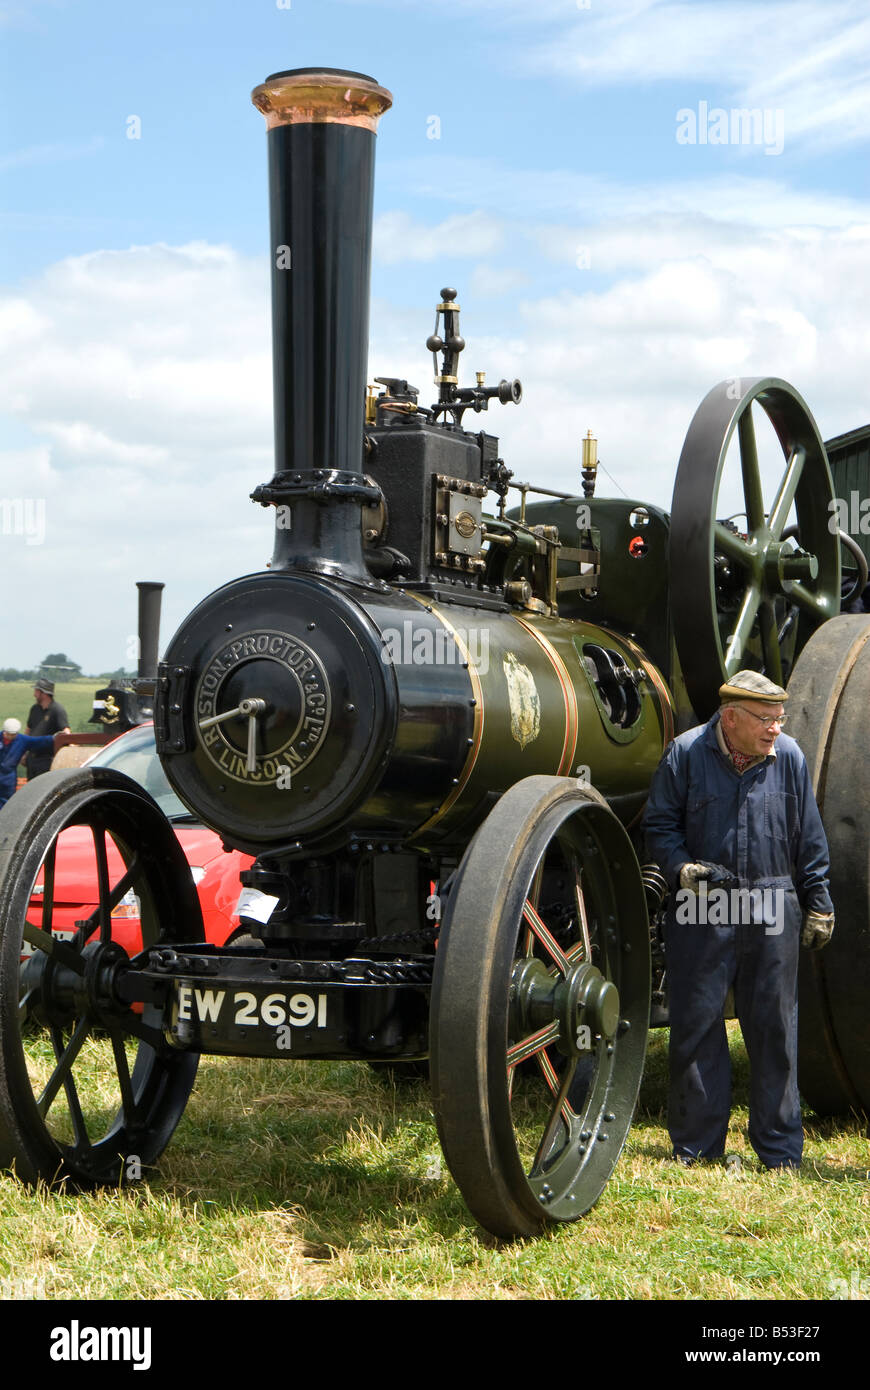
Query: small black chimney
150, 594
321, 125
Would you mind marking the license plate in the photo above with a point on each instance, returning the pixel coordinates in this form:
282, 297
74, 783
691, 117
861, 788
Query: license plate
266, 1020
242, 1008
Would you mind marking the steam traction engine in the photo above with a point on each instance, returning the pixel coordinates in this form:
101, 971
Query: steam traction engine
434, 726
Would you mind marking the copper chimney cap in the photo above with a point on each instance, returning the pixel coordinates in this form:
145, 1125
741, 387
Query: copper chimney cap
312, 96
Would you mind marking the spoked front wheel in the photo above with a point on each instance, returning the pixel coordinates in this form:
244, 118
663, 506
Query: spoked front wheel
540, 1007
88, 1084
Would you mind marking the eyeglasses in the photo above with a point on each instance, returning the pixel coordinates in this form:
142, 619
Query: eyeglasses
765, 719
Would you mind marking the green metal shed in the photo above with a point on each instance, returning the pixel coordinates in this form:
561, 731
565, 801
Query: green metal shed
849, 457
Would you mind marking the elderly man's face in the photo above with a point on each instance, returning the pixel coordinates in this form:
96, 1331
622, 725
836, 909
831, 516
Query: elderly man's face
747, 726
41, 698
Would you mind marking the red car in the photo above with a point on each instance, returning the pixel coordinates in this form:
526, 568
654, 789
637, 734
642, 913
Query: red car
215, 872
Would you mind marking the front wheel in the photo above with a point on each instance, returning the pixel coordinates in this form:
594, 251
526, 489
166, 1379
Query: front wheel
90, 1092
540, 1007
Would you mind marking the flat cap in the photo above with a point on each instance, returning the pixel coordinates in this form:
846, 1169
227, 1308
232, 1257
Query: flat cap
47, 687
752, 685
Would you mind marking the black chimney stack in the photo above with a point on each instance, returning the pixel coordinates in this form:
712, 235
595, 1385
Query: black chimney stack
321, 125
118, 707
150, 594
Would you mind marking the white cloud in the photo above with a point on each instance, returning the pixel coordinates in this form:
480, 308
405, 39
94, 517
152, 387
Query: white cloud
148, 373
145, 378
731, 199
20, 322
632, 360
82, 441
806, 58
490, 281
815, 71
164, 344
520, 12
398, 237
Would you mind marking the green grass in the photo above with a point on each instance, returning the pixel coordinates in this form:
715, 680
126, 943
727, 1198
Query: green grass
323, 1180
77, 698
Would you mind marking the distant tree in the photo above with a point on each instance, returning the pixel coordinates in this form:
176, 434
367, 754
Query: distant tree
10, 673
58, 667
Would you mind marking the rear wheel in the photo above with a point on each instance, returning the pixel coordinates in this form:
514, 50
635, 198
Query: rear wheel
90, 1091
829, 695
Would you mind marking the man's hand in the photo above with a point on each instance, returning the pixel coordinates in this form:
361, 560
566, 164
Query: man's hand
691, 875
818, 928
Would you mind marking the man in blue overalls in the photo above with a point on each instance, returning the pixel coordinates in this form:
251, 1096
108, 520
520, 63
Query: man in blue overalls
732, 802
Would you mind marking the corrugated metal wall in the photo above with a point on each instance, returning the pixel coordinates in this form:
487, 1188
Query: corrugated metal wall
849, 457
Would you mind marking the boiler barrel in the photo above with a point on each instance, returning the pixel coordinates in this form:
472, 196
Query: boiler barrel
386, 715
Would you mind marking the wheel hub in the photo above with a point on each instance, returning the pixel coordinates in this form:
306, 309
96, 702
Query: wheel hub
784, 563
583, 1003
60, 993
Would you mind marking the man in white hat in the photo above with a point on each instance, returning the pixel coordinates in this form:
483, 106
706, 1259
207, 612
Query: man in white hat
13, 746
732, 804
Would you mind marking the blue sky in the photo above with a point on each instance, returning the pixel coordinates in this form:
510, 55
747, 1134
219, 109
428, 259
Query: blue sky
619, 272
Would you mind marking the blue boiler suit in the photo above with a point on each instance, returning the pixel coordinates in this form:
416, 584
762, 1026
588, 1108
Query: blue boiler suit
11, 755
764, 826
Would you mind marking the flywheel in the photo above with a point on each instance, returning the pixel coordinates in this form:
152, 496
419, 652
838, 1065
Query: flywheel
746, 595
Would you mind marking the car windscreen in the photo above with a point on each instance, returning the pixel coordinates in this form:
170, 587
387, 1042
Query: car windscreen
135, 755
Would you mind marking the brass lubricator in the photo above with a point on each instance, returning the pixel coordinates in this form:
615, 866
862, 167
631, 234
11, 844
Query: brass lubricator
586, 556
590, 464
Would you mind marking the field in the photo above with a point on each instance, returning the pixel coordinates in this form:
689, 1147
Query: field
77, 698
323, 1180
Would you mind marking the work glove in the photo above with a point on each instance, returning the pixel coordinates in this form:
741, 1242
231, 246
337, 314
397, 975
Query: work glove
714, 874
691, 875
818, 928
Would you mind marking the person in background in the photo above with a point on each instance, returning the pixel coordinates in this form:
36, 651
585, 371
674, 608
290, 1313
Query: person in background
13, 745
45, 717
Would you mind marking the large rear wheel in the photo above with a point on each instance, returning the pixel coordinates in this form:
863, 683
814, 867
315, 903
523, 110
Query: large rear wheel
829, 696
